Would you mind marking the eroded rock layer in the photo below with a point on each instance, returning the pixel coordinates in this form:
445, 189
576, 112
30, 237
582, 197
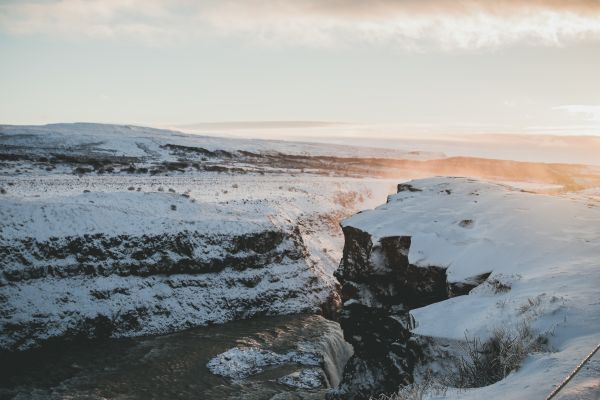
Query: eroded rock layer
109, 286
379, 288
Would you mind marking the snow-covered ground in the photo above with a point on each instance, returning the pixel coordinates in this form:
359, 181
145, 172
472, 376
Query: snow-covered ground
242, 362
153, 253
218, 206
84, 185
543, 253
136, 141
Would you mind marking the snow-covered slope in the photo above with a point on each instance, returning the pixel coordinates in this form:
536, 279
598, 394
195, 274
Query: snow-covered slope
542, 254
121, 253
98, 149
137, 141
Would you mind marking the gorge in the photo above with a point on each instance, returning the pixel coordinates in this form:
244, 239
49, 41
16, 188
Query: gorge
229, 250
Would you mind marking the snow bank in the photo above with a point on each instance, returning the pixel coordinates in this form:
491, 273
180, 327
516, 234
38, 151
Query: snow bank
242, 362
543, 253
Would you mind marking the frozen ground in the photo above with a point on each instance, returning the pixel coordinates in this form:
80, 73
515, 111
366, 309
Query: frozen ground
67, 190
217, 206
543, 253
97, 149
135, 141
120, 254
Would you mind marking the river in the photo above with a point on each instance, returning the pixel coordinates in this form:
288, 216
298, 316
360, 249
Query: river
174, 366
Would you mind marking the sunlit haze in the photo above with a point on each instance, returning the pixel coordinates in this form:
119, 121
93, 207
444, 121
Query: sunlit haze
384, 68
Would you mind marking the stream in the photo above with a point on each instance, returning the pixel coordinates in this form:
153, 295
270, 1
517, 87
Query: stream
174, 366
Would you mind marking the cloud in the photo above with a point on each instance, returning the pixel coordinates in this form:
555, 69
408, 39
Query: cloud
590, 112
412, 24
409, 24
146, 20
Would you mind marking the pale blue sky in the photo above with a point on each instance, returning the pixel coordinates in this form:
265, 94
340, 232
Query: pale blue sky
511, 69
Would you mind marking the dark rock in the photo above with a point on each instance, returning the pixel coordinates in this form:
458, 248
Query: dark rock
145, 255
466, 223
82, 170
99, 327
407, 187
464, 287
379, 288
184, 262
250, 282
332, 307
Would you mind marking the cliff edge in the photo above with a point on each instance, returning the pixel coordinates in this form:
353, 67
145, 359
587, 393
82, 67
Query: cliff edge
451, 258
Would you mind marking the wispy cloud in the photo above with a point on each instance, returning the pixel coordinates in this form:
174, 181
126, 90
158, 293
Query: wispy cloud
412, 24
146, 20
589, 112
409, 24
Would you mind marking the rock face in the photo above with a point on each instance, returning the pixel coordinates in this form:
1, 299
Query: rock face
117, 231
467, 258
116, 264
90, 257
379, 288
190, 252
109, 286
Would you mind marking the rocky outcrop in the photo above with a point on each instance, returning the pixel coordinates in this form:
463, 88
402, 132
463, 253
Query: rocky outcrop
379, 288
98, 285
185, 252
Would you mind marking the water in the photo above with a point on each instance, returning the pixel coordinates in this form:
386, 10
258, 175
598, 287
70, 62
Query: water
174, 366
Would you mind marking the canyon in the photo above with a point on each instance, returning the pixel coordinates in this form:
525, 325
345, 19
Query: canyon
116, 234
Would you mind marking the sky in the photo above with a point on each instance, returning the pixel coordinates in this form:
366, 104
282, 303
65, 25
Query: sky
401, 66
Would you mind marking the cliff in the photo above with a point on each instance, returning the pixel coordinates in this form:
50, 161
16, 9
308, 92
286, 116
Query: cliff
113, 231
147, 273
449, 258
